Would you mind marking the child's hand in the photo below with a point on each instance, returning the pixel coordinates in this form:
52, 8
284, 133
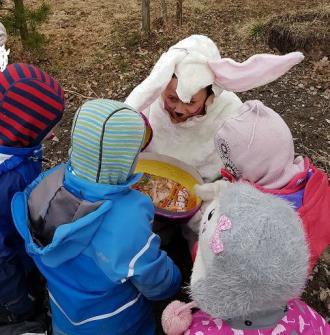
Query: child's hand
207, 192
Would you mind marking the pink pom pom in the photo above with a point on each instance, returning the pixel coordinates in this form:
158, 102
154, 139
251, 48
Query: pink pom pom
176, 318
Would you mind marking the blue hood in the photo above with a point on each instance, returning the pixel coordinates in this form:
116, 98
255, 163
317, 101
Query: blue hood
70, 238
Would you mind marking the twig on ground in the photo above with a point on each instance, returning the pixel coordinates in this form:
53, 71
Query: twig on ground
94, 93
79, 94
317, 157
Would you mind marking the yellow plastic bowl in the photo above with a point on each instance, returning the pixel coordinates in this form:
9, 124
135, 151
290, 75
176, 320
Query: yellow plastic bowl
171, 168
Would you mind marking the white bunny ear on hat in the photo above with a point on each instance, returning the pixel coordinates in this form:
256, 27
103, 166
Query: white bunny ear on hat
151, 88
256, 71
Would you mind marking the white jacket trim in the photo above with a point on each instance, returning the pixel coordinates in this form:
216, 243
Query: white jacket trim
138, 255
97, 317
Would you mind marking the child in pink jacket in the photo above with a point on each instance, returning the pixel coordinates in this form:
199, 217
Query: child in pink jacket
257, 146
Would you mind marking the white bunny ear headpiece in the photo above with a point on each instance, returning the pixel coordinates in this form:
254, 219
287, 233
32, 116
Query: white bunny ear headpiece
188, 61
258, 70
151, 88
196, 62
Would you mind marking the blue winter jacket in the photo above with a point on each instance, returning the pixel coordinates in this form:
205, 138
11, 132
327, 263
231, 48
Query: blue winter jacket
16, 172
103, 268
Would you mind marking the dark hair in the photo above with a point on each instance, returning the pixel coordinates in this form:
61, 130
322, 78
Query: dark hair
209, 90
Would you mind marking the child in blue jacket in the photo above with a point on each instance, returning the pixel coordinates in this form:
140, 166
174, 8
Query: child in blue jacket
31, 104
90, 233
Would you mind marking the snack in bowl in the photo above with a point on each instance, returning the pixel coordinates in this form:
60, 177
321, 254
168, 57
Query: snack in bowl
166, 193
169, 183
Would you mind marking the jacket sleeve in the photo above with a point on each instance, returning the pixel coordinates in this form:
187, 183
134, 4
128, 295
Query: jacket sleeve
150, 270
128, 251
13, 288
153, 273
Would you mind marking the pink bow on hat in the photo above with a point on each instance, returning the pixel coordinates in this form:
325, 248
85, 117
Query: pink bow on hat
215, 243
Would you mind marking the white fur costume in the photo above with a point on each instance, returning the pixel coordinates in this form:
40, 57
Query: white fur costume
3, 52
196, 62
192, 141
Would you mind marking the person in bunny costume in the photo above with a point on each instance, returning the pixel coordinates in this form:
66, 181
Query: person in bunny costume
186, 96
250, 269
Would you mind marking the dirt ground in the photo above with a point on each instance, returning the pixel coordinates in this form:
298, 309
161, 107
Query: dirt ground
96, 49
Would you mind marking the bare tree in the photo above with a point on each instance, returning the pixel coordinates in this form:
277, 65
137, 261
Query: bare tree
24, 22
179, 12
146, 16
163, 10
20, 16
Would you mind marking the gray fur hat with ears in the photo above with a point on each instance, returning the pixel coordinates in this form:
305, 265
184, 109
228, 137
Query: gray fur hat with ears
3, 35
252, 255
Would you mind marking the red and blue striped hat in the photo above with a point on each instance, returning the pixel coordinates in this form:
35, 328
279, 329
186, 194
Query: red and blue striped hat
31, 104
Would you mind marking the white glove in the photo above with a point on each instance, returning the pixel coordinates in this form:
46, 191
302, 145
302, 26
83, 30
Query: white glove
207, 192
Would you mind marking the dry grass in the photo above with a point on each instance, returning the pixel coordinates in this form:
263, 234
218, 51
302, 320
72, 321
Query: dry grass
96, 49
306, 30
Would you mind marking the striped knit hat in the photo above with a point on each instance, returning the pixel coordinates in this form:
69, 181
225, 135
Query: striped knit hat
31, 104
106, 138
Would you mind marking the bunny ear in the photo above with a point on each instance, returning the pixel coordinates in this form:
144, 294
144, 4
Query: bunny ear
151, 88
256, 71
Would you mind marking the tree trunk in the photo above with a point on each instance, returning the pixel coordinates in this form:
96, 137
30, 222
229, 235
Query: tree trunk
20, 19
146, 16
179, 12
163, 10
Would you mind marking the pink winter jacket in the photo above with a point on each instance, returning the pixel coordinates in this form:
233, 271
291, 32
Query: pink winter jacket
299, 320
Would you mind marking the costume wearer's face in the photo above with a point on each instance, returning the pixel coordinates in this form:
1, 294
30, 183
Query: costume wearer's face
180, 111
